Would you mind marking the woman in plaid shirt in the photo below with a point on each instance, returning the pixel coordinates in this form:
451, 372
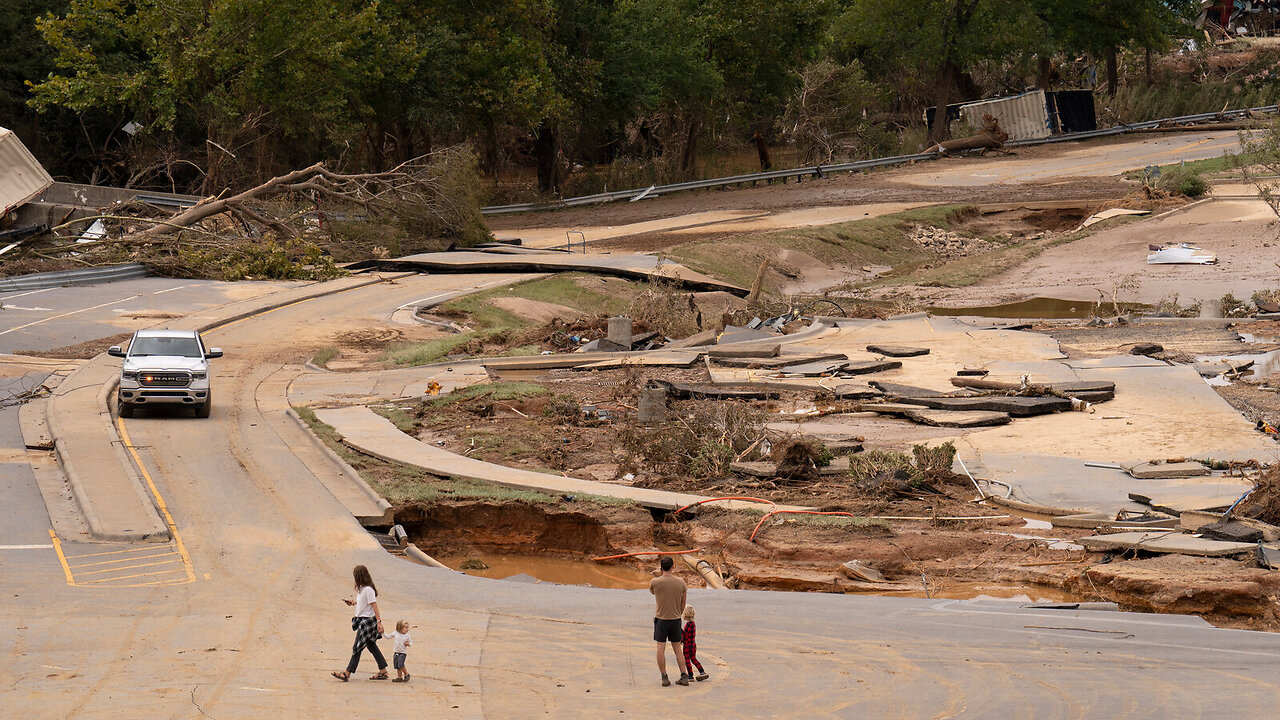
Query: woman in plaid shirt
690, 638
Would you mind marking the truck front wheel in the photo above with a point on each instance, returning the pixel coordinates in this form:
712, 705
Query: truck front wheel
202, 410
126, 408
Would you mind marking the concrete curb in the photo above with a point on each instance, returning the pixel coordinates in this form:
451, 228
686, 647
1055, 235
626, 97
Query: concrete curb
1182, 209
346, 470
110, 435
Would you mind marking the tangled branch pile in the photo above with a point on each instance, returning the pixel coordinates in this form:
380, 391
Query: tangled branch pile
293, 226
700, 441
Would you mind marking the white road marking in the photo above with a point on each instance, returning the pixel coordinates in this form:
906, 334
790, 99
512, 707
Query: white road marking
65, 314
161, 292
247, 687
26, 547
481, 286
31, 309
29, 292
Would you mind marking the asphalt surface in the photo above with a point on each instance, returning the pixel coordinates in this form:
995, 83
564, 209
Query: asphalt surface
37, 320
259, 625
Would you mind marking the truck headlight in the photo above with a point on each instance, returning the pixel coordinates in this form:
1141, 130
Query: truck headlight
199, 375
129, 375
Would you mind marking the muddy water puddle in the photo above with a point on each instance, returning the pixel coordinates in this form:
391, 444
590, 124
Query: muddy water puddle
562, 571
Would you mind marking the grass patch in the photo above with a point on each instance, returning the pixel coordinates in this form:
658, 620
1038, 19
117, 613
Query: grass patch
509, 390
881, 240
564, 289
1226, 165
328, 435
523, 351
402, 419
323, 356
427, 352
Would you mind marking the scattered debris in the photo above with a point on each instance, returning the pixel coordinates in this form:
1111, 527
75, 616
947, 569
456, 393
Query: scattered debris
1146, 349
1180, 254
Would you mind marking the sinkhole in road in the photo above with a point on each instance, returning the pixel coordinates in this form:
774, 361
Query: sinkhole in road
556, 543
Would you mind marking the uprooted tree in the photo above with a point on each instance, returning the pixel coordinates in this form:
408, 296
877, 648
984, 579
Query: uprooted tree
312, 216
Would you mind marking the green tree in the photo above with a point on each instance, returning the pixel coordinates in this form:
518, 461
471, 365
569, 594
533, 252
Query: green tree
234, 74
940, 38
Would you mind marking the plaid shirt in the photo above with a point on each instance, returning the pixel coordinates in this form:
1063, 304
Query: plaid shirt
689, 637
366, 632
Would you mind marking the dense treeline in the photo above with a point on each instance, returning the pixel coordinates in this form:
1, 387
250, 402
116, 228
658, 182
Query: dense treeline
224, 93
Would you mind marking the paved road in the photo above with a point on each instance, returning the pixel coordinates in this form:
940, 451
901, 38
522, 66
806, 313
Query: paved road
56, 317
1098, 158
260, 625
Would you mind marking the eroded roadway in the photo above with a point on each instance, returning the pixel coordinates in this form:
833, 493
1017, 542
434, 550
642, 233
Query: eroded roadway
260, 627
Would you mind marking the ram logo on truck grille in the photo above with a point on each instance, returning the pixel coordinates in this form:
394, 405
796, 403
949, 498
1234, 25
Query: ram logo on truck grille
164, 379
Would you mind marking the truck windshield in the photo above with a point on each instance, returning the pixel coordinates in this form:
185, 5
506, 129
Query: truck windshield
170, 346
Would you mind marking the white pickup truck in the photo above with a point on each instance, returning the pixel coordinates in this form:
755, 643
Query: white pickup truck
165, 367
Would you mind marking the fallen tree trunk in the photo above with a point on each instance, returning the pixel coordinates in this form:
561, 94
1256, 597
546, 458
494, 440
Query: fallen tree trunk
991, 137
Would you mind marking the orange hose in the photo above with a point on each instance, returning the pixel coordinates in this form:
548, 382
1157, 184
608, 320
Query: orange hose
655, 552
791, 512
714, 499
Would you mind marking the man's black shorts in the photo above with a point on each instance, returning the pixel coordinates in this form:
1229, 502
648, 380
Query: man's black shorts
667, 630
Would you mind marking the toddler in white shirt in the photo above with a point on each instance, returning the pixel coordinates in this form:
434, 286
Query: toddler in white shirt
403, 641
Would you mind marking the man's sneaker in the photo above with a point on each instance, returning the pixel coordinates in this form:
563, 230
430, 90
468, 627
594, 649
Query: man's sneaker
666, 682
684, 679
702, 676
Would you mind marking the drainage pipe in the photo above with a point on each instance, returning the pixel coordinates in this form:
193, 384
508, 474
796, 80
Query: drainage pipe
414, 553
704, 569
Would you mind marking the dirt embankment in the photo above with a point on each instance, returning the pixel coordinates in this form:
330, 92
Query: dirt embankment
917, 558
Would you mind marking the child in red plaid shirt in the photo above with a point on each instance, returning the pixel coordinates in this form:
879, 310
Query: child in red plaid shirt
690, 638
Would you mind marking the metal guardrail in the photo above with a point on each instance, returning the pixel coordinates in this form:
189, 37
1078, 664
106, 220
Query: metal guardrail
820, 171
87, 276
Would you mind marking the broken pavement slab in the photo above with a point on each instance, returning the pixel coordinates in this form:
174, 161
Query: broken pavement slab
940, 418
1161, 471
625, 265
1015, 405
868, 367
898, 350
1167, 542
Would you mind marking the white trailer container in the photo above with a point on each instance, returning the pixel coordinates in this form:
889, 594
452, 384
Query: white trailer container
1024, 117
22, 177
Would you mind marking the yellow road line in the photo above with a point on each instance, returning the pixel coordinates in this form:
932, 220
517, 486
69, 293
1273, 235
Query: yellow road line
131, 558
126, 567
57, 547
126, 577
116, 552
164, 508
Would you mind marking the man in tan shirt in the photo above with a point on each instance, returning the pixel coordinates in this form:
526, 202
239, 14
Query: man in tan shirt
669, 593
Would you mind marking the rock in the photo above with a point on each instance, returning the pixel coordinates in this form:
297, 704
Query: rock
1146, 349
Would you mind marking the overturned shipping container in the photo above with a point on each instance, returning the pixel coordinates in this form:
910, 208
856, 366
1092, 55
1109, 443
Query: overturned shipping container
22, 177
